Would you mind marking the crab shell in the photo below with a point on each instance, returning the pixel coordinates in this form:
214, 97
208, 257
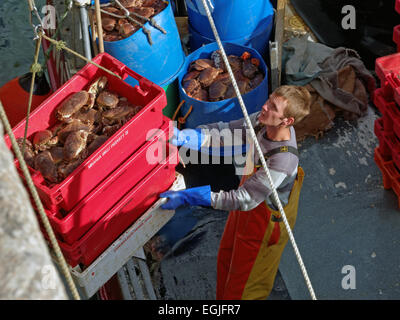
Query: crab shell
107, 99
45, 164
75, 125
108, 23
191, 86
201, 64
65, 169
72, 105
249, 69
29, 154
127, 30
201, 94
131, 3
217, 90
207, 76
74, 144
96, 143
86, 116
143, 11
44, 139
57, 154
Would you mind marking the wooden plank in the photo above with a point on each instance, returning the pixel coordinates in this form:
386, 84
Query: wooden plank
279, 28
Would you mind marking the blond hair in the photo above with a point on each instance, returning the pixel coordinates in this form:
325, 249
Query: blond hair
298, 101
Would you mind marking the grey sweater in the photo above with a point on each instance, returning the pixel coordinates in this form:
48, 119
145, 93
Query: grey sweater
256, 189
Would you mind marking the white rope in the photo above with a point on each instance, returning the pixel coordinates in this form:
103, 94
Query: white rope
258, 148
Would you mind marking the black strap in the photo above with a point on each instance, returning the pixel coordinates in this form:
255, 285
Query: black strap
281, 149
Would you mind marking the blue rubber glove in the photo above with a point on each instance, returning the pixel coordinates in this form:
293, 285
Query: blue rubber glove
189, 138
199, 196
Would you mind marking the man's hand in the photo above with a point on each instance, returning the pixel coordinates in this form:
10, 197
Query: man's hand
199, 196
189, 138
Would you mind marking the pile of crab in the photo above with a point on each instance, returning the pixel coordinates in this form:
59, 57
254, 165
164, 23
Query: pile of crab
208, 79
116, 26
87, 120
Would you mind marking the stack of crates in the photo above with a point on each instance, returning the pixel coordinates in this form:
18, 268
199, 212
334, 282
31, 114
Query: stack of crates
387, 128
117, 183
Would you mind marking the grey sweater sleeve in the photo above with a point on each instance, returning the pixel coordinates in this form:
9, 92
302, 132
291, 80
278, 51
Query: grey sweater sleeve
250, 194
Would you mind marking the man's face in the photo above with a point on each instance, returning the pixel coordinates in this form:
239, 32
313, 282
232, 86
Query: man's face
272, 111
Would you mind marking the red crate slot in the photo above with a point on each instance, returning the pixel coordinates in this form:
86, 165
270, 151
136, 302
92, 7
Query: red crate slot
123, 214
381, 163
385, 65
396, 36
91, 208
397, 6
379, 132
384, 107
394, 114
115, 150
391, 89
392, 142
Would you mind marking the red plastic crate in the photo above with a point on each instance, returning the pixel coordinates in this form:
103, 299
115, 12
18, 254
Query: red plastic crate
393, 145
396, 36
397, 6
390, 174
385, 65
123, 214
385, 108
115, 150
92, 207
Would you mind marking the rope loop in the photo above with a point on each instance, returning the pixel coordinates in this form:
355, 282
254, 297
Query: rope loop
36, 68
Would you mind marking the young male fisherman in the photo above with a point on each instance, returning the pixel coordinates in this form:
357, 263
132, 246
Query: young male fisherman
254, 235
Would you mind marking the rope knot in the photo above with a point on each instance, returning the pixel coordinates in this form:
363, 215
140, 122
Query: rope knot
36, 68
60, 45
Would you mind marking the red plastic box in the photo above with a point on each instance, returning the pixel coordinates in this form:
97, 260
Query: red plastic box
385, 65
92, 207
115, 150
123, 214
397, 6
396, 36
385, 108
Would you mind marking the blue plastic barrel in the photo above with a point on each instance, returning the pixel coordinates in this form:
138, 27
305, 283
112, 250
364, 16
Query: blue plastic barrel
159, 62
204, 112
233, 19
258, 40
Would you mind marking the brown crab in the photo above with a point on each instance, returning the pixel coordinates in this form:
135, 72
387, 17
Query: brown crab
235, 62
66, 168
208, 75
107, 99
108, 23
249, 69
256, 81
29, 154
217, 90
191, 75
98, 85
127, 30
57, 154
75, 125
191, 87
43, 140
73, 104
88, 117
112, 36
96, 143
75, 144
111, 129
201, 94
131, 3
201, 64
45, 164
117, 114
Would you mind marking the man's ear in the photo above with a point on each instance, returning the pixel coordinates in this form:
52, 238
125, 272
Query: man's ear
288, 121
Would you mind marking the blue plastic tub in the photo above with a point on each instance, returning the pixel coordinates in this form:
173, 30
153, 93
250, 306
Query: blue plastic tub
233, 19
158, 62
259, 40
226, 110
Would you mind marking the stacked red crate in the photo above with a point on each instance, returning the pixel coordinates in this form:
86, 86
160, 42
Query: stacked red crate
101, 198
396, 30
387, 128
